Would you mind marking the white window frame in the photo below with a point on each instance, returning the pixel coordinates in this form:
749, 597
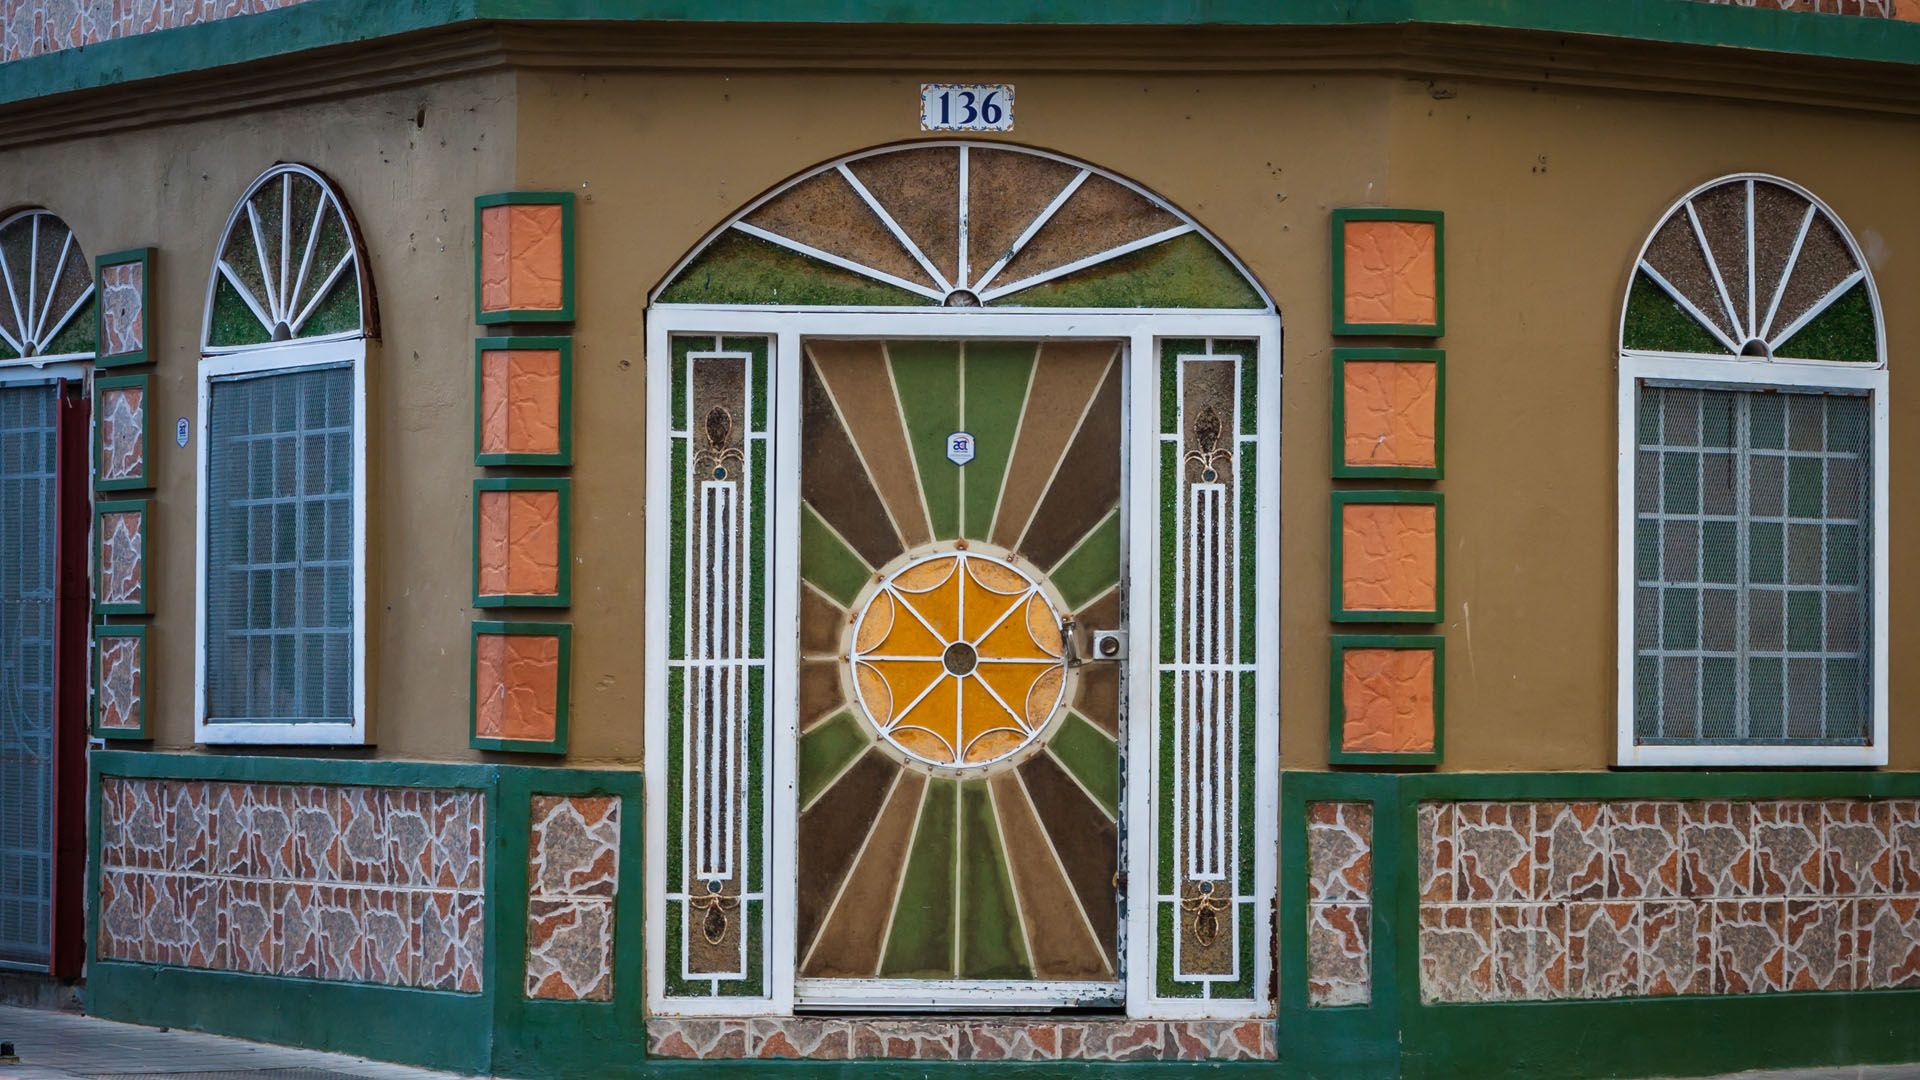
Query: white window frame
1748, 373
284, 359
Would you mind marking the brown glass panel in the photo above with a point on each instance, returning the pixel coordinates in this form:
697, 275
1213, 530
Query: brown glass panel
849, 944
1059, 937
832, 832
1098, 696
921, 190
1088, 843
1100, 215
1087, 487
822, 623
856, 373
825, 213
1005, 192
835, 481
1777, 214
1065, 377
821, 693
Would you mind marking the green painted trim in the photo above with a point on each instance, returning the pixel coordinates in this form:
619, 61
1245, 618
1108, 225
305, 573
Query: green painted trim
1337, 706
555, 745
563, 345
1335, 559
563, 596
120, 382
563, 199
327, 23
143, 256
1344, 471
144, 731
1341, 325
142, 606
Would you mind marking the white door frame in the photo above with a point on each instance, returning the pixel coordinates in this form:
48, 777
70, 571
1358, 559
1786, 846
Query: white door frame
1141, 330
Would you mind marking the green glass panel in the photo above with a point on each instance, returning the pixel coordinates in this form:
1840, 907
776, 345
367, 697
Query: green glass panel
926, 375
1805, 487
1764, 707
677, 554
756, 777
1657, 322
992, 943
1844, 331
1646, 697
1681, 477
825, 752
755, 346
1767, 421
920, 944
1165, 792
1764, 553
1843, 554
741, 269
1846, 700
1241, 987
1680, 619
757, 555
1716, 696
676, 769
1169, 541
1184, 272
676, 986
754, 985
1803, 621
1646, 550
827, 562
339, 312
1249, 747
1249, 382
996, 378
80, 335
1170, 352
1245, 553
1720, 551
233, 322
1164, 982
1091, 568
1092, 758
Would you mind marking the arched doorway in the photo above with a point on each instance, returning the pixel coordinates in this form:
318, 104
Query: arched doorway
962, 488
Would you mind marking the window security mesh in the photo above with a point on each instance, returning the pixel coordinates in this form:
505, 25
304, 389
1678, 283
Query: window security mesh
280, 548
1752, 540
26, 672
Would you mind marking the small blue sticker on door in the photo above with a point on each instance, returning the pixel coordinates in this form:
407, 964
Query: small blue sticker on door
960, 447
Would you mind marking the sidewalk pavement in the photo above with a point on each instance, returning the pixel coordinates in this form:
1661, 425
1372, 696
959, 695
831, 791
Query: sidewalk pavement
68, 1046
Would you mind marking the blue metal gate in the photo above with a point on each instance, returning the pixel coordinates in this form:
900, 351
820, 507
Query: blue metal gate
27, 603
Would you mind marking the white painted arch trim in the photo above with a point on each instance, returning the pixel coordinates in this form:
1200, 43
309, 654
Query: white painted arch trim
283, 358
1743, 373
985, 286
1818, 206
1141, 331
354, 262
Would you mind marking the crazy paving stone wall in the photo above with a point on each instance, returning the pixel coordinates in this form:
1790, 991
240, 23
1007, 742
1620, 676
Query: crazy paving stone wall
573, 873
32, 27
1339, 903
352, 884
1872, 9
1537, 901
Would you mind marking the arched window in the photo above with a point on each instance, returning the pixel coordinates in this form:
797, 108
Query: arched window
1753, 547
49, 310
282, 563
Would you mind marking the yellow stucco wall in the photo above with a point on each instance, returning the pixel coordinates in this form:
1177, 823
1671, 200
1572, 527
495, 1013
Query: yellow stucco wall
1548, 193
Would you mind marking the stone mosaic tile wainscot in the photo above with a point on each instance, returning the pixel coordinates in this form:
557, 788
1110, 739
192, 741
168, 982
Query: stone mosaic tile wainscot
1545, 901
354, 884
1339, 903
572, 874
831, 1038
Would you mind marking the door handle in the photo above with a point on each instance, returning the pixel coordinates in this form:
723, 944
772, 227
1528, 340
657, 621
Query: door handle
1108, 645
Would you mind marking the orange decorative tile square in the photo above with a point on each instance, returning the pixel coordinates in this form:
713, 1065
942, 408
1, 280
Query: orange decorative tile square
523, 262
520, 673
1386, 563
1388, 412
523, 401
1386, 699
521, 545
1389, 272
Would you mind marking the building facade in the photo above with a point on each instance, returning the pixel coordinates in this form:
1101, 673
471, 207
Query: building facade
1316, 539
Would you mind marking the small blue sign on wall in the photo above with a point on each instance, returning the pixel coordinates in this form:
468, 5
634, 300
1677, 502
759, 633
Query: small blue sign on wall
960, 447
180, 430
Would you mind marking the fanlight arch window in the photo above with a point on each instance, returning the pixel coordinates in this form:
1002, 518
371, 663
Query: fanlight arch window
962, 225
290, 267
49, 310
281, 574
1753, 487
1757, 267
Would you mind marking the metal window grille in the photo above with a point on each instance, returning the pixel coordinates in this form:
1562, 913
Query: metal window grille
1752, 552
27, 508
280, 548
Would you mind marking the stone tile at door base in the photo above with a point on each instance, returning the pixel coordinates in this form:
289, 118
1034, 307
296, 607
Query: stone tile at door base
1888, 943
1339, 954
1820, 945
1643, 850
1529, 951
1676, 948
1493, 851
1603, 950
1858, 846
1749, 939
1339, 852
835, 1038
1787, 853
1456, 953
1570, 851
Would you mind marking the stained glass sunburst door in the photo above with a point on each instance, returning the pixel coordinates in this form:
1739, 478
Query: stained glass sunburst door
958, 768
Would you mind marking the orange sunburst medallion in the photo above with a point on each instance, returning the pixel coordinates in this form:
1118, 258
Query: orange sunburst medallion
956, 659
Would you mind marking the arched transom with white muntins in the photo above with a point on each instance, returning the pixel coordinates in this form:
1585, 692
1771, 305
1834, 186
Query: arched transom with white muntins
291, 267
48, 312
962, 225
1755, 266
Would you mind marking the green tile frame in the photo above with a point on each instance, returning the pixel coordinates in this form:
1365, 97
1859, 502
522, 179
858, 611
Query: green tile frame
143, 256
1342, 499
1341, 324
144, 507
1397, 1035
563, 345
145, 478
496, 1031
145, 730
1337, 706
563, 596
564, 313
1344, 471
555, 745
